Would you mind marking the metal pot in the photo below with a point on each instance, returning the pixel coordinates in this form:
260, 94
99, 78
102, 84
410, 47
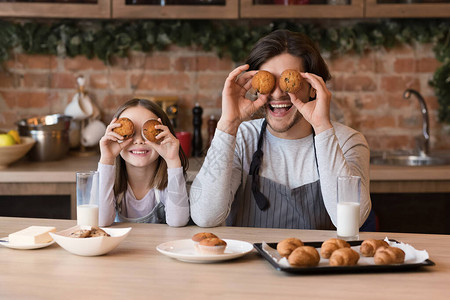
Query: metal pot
51, 134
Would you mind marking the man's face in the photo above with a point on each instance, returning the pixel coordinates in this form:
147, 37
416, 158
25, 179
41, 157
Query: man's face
282, 116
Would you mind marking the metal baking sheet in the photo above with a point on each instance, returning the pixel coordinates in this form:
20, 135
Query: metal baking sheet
339, 269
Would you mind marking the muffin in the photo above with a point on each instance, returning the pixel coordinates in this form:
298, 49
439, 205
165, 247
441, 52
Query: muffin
126, 129
211, 246
290, 81
149, 131
263, 82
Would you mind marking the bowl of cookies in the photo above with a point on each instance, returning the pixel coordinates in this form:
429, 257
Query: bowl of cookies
90, 241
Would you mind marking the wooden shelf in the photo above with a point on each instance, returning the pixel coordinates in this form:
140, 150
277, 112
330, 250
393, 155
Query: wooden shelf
228, 11
258, 11
407, 10
101, 10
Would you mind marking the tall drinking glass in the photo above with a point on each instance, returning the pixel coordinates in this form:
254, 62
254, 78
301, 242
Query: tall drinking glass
87, 198
348, 207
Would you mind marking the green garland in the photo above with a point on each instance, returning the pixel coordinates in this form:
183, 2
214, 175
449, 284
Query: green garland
104, 39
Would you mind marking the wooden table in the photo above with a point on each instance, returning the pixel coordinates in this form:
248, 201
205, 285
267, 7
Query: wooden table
136, 270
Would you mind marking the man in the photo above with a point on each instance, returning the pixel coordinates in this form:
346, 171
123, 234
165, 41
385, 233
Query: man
279, 171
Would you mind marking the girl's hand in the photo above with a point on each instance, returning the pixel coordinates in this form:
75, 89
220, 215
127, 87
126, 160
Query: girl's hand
316, 112
168, 147
111, 144
235, 107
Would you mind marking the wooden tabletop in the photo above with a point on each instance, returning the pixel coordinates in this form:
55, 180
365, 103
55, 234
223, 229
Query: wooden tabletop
136, 270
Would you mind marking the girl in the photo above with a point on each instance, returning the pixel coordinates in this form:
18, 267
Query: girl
141, 181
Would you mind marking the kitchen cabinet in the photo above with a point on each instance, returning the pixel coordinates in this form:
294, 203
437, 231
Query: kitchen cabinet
226, 9
407, 9
200, 9
96, 9
313, 9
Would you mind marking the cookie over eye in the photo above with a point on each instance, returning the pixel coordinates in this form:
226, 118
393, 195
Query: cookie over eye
127, 128
291, 81
263, 82
150, 132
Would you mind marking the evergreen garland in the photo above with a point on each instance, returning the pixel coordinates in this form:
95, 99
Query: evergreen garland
104, 39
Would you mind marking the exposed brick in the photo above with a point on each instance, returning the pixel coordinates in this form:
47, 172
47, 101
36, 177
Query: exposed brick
28, 61
366, 63
19, 100
399, 83
372, 122
63, 81
185, 63
425, 65
8, 80
157, 62
359, 83
342, 64
99, 81
83, 63
402, 50
336, 83
405, 65
211, 81
161, 82
33, 80
214, 63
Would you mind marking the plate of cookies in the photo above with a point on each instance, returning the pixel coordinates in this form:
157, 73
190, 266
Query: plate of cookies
339, 256
90, 241
205, 247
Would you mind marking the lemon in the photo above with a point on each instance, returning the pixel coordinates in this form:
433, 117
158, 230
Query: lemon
15, 135
6, 140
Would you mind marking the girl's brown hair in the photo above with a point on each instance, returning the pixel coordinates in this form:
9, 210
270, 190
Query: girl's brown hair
285, 41
160, 179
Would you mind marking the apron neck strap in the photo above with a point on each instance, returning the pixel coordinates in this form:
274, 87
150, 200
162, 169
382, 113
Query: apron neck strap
255, 165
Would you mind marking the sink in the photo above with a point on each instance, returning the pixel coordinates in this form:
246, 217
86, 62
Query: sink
409, 160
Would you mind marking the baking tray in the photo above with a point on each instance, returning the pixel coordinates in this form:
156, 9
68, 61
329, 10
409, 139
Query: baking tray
339, 269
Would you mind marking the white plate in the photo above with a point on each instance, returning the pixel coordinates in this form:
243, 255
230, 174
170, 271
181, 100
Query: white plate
184, 250
24, 247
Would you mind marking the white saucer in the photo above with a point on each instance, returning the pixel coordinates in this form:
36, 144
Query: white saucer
184, 250
24, 247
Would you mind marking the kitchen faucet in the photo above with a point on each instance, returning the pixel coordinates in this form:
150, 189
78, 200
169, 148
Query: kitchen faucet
424, 141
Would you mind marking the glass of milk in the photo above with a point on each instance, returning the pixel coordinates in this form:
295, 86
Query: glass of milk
348, 196
87, 198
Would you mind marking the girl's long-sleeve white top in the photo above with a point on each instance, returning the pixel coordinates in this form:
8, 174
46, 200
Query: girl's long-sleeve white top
341, 151
174, 197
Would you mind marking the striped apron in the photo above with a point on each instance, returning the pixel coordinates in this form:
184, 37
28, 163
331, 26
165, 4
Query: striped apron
275, 205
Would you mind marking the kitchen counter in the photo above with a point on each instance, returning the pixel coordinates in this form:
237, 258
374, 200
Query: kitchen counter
58, 177
136, 270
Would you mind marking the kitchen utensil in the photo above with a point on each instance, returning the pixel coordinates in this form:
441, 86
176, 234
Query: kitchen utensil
51, 134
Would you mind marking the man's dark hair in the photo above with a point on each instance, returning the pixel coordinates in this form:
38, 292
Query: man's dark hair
285, 41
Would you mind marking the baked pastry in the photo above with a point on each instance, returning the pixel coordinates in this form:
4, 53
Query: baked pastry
304, 256
331, 245
149, 131
263, 82
126, 129
370, 246
389, 255
203, 235
81, 233
96, 231
286, 246
344, 257
211, 246
290, 81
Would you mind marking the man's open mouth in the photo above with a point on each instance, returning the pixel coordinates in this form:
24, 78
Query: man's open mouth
280, 107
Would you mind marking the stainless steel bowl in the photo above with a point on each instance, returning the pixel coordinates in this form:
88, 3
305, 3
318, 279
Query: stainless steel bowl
51, 134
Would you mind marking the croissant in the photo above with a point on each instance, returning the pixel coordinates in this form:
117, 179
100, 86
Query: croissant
304, 256
389, 255
370, 246
344, 257
286, 246
331, 245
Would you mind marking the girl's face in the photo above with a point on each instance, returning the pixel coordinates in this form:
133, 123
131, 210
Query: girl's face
139, 153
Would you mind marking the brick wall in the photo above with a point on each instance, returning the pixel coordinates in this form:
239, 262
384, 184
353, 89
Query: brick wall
367, 90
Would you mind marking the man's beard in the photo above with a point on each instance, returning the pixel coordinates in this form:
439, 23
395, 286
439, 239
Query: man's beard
297, 117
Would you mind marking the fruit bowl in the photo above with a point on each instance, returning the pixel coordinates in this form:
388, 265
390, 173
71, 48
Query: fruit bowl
12, 153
